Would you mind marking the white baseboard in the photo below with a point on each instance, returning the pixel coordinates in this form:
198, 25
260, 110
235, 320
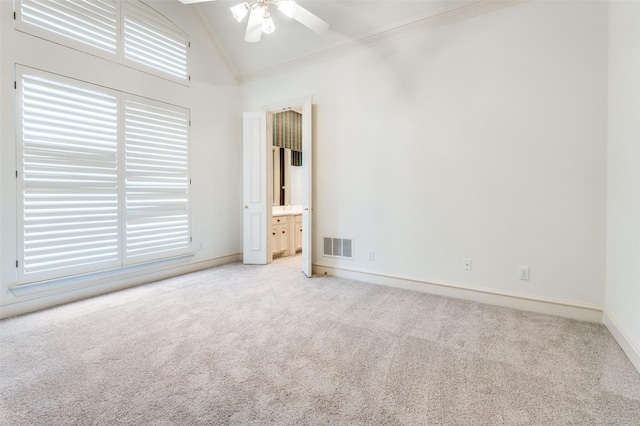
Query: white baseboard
582, 312
629, 347
29, 301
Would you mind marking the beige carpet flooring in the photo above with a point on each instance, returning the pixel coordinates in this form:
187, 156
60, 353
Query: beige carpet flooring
254, 345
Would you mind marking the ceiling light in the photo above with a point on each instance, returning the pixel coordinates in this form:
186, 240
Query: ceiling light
260, 19
267, 23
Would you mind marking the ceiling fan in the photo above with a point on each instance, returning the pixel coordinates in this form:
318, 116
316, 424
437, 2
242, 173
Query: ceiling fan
260, 19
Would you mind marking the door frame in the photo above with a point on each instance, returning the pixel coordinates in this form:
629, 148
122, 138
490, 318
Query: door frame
305, 104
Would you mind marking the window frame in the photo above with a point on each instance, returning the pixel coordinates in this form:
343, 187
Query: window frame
29, 28
140, 11
166, 197
24, 278
135, 8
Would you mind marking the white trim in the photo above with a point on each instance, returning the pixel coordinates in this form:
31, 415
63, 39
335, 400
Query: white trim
623, 337
424, 23
562, 308
85, 288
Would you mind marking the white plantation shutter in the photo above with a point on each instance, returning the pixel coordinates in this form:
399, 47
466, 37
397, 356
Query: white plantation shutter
103, 178
152, 41
148, 40
88, 25
68, 162
157, 180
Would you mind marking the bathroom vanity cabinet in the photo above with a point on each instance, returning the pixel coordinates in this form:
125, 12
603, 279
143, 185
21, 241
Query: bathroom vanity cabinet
286, 234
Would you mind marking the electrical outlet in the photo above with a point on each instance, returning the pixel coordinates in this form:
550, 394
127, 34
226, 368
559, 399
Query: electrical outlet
372, 255
467, 264
201, 245
523, 272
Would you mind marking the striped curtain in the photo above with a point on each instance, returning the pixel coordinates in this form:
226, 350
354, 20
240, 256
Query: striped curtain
296, 158
287, 130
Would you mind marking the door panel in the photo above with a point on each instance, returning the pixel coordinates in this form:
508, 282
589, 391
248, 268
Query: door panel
255, 241
307, 186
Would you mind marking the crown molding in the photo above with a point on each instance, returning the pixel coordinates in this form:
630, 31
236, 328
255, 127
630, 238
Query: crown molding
405, 29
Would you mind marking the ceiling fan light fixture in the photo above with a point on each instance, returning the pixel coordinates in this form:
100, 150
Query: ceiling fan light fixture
288, 7
239, 11
267, 23
260, 20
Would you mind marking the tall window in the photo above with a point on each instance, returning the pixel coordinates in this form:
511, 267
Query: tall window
103, 178
128, 32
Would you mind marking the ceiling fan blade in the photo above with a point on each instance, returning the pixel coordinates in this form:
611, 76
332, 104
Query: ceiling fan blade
310, 20
254, 26
193, 1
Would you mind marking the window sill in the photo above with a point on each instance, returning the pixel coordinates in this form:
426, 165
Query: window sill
58, 285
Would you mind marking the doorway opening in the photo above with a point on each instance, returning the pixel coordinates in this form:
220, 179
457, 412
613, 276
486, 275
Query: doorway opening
288, 160
285, 228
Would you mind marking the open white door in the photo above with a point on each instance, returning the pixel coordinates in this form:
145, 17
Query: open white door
254, 188
256, 196
307, 195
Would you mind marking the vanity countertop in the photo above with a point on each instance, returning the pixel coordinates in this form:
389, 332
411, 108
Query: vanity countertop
286, 211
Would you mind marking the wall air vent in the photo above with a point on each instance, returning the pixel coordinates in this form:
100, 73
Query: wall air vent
338, 247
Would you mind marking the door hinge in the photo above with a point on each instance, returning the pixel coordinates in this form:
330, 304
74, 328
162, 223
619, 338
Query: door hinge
16, 263
15, 84
189, 181
14, 16
16, 174
190, 239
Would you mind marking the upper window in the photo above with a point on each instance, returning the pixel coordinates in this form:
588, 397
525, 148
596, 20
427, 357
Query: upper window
128, 32
150, 42
91, 25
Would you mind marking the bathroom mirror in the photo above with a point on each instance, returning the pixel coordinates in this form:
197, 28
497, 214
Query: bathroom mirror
287, 179
286, 136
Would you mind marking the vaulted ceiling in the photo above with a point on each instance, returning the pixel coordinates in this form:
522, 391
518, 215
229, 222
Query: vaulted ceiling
351, 23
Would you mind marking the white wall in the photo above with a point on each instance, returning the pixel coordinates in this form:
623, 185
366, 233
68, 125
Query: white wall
623, 173
215, 147
483, 139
